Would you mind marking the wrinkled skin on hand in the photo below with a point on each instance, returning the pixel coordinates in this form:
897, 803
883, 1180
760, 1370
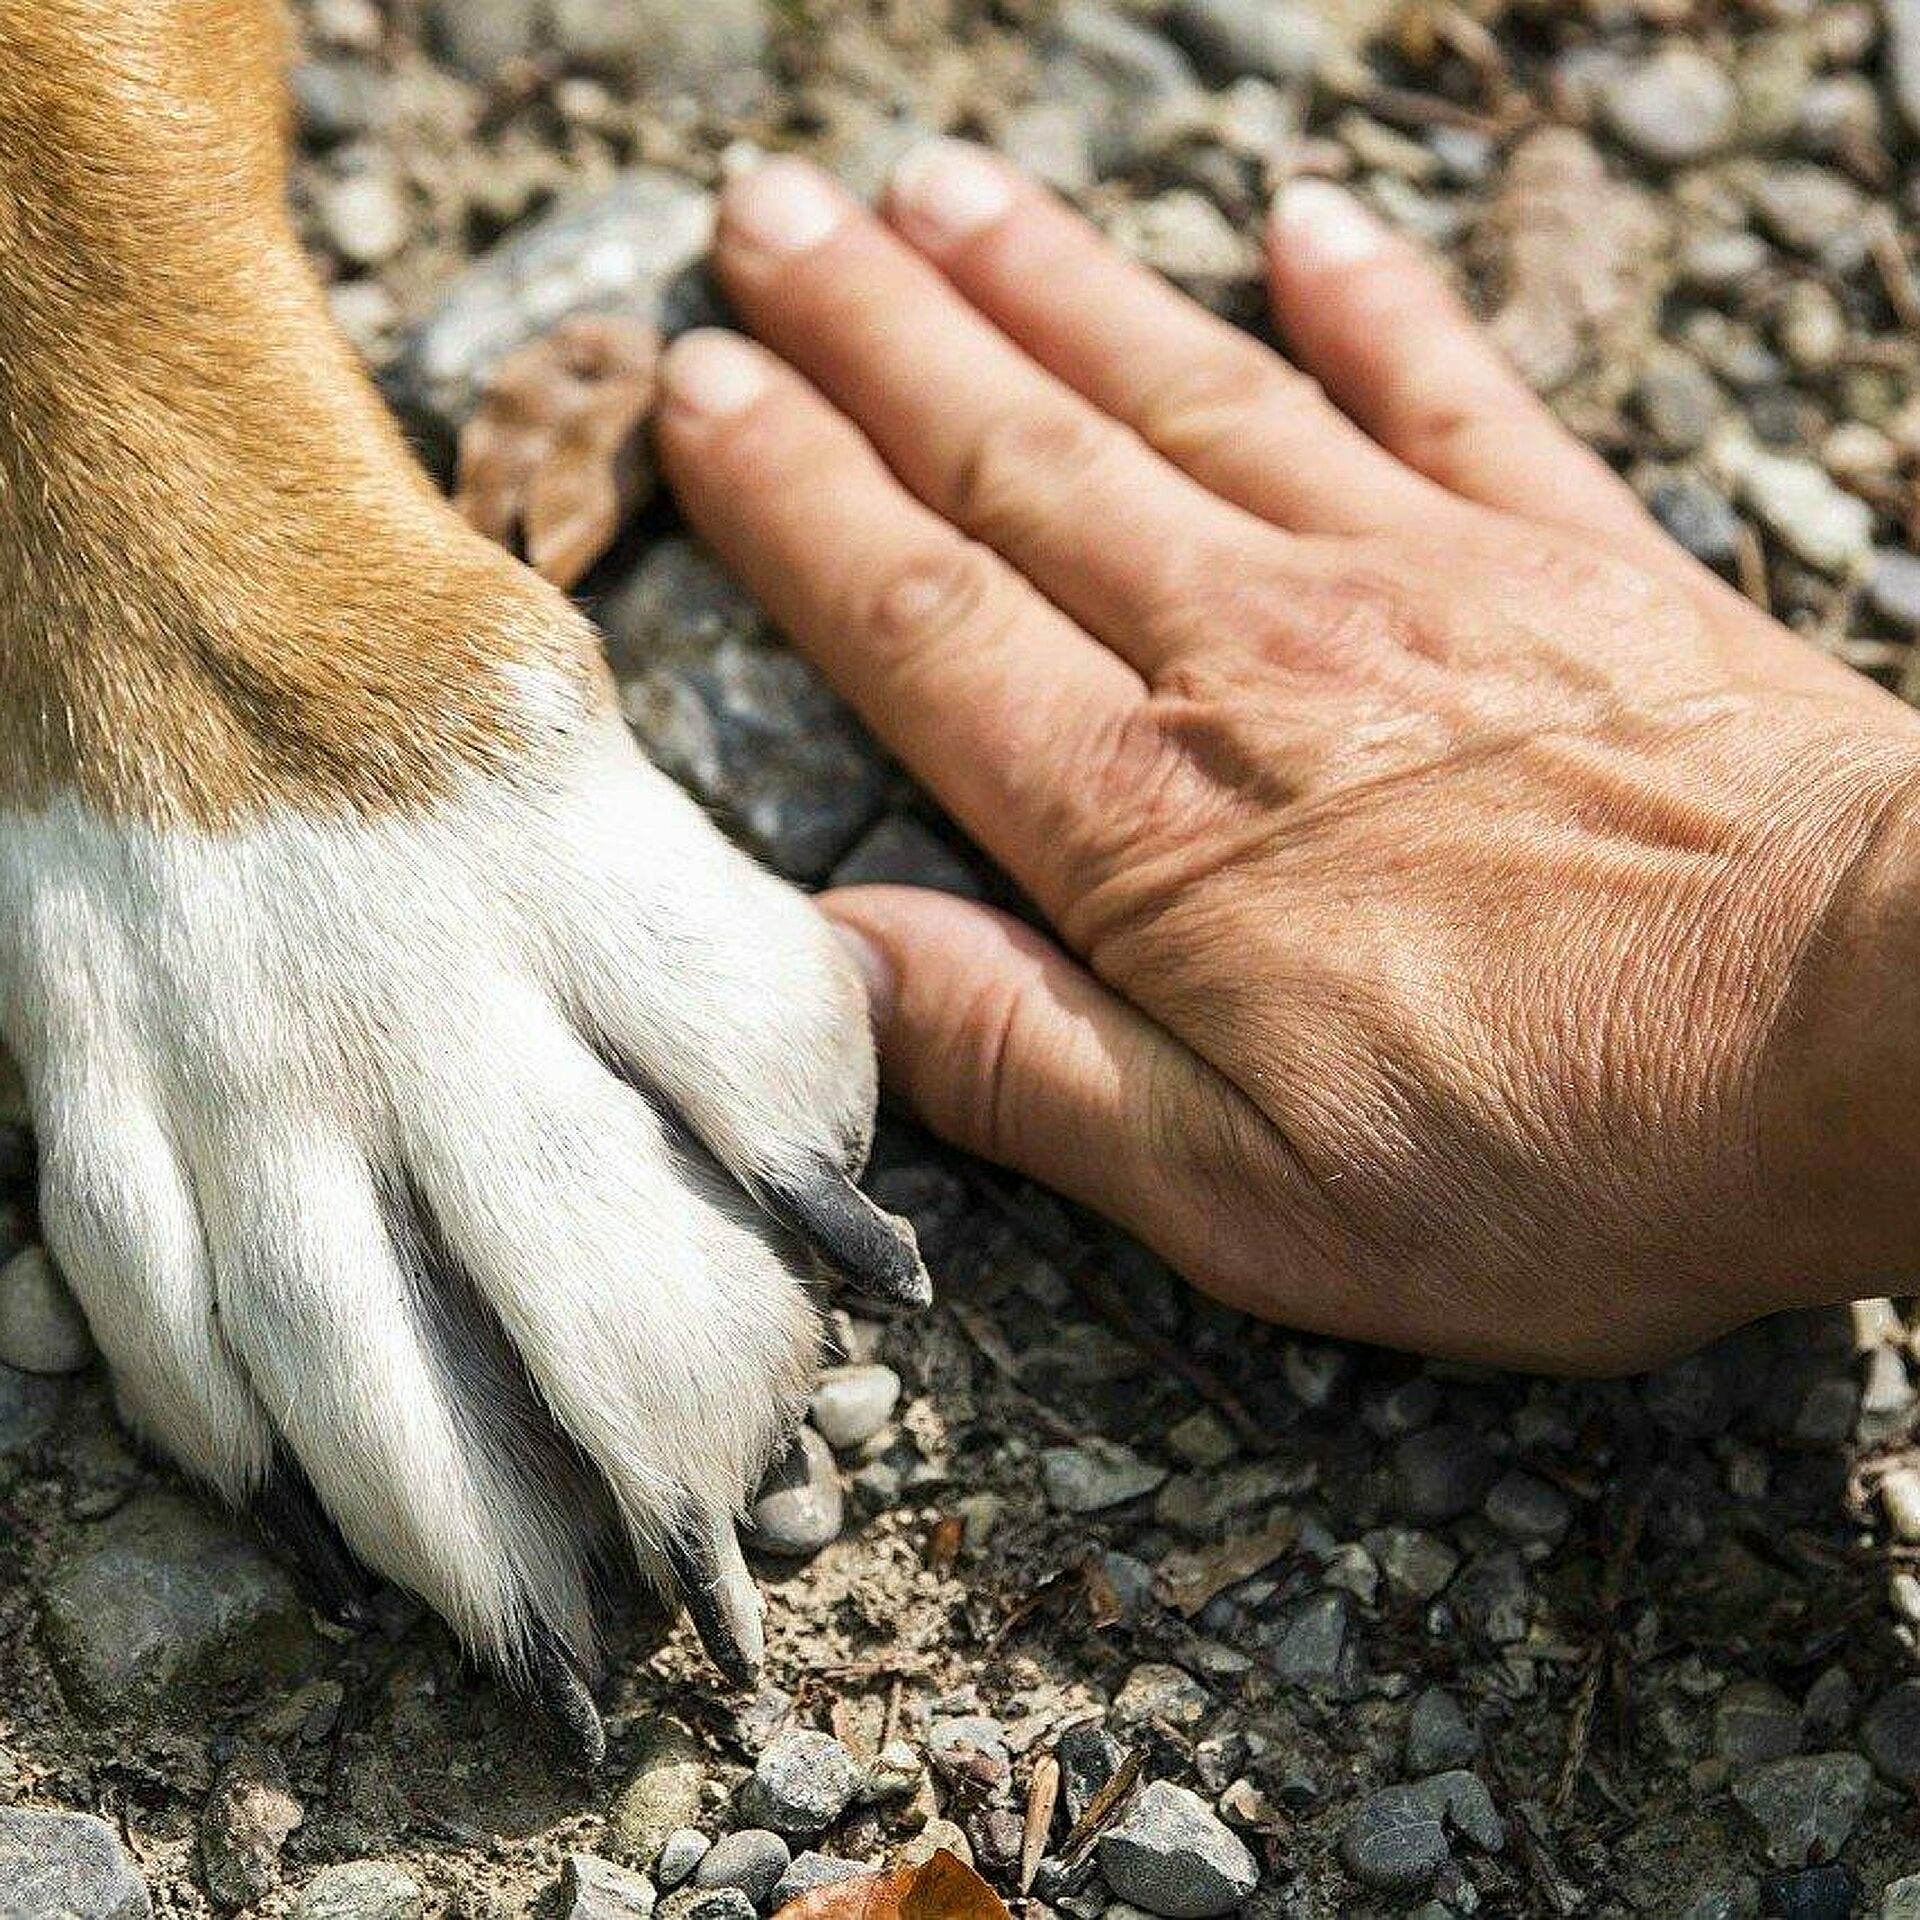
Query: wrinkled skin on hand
1478, 929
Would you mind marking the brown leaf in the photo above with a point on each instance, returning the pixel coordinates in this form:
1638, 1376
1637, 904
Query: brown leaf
1187, 1581
941, 1889
554, 461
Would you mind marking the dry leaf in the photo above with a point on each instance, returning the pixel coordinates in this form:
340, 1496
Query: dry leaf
1187, 1581
554, 461
941, 1889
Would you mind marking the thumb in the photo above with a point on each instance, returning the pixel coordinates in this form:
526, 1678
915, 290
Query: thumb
1005, 1046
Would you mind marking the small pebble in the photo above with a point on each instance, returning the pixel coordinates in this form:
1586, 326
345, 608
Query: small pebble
1674, 108
1172, 1855
682, 1851
802, 1783
752, 1859
1096, 1475
360, 1890
595, 1889
1807, 1807
705, 1903
66, 1866
41, 1330
851, 1404
799, 1508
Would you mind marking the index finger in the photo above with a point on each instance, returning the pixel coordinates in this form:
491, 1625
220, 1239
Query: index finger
991, 695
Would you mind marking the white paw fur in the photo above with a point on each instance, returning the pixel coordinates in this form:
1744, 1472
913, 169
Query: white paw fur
356, 1142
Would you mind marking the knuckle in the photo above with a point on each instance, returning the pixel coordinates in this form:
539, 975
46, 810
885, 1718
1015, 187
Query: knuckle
1209, 401
923, 602
1015, 463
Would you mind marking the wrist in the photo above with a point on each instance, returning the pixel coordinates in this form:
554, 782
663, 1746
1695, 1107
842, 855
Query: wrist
1844, 1071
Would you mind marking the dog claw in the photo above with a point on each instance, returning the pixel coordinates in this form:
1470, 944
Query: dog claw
289, 1513
711, 1573
560, 1686
875, 1251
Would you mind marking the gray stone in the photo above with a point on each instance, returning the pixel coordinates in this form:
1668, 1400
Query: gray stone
750, 729
1313, 1649
1396, 1841
802, 1783
1676, 107
41, 1330
661, 1796
1156, 1691
1753, 1722
1815, 212
1822, 524
1901, 1900
164, 1603
682, 1850
631, 247
477, 37
706, 1903
1893, 587
1096, 1475
665, 45
898, 851
851, 1404
811, 1871
1700, 519
1492, 1597
337, 100
1439, 1734
1465, 1807
1890, 1733
1171, 1854
1272, 38
1125, 84
1528, 1509
978, 1731
1902, 22
360, 1890
66, 1866
1414, 1564
1807, 1807
247, 1820
364, 217
1442, 1472
753, 1859
1678, 399
595, 1889
799, 1508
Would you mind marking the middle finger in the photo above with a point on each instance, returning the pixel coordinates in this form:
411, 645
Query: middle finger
1104, 527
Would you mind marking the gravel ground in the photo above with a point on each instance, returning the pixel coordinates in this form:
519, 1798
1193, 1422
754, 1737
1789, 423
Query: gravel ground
1379, 1637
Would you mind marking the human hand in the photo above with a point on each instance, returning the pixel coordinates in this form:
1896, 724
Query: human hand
1480, 930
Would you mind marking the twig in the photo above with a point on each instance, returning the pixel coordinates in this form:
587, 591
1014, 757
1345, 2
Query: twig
1890, 263
1603, 1661
1103, 1806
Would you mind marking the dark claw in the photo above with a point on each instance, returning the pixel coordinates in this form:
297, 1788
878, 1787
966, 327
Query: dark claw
289, 1513
724, 1605
561, 1688
875, 1251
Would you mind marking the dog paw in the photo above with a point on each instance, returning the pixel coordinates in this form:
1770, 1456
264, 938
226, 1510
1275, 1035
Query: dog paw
444, 1185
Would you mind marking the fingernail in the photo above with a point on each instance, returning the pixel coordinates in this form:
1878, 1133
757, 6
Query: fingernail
712, 374
783, 207
876, 971
1321, 225
943, 191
